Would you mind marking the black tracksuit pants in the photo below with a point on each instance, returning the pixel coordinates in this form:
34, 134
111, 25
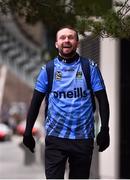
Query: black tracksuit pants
77, 152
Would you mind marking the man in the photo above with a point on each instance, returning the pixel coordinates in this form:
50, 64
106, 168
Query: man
69, 123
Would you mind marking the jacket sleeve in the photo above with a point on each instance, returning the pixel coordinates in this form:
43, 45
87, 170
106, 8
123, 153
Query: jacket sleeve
33, 111
103, 107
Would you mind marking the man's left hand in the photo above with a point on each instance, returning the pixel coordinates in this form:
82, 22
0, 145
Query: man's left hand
103, 139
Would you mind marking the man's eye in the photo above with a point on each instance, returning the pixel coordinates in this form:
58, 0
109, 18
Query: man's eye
62, 37
70, 37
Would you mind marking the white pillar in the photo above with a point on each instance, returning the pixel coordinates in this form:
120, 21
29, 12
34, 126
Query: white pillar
109, 66
3, 71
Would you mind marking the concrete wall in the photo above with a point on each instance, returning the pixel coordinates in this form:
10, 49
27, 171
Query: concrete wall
109, 65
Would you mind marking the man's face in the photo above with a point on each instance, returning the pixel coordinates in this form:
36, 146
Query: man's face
66, 42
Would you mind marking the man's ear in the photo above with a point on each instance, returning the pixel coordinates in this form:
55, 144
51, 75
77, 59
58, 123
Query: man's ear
56, 45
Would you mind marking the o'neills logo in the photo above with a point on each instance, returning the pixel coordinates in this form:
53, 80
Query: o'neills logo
76, 93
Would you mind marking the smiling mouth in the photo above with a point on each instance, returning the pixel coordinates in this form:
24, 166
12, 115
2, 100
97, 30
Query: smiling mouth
66, 46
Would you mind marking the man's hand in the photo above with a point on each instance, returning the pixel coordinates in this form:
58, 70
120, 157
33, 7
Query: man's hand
103, 139
29, 142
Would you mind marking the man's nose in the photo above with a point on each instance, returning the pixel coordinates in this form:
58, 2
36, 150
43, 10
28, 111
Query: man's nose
67, 39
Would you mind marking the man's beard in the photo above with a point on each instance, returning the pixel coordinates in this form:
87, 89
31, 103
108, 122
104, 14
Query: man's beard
67, 55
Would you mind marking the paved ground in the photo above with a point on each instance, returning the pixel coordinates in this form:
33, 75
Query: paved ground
18, 163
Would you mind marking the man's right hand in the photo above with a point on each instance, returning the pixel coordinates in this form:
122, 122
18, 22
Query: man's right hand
29, 142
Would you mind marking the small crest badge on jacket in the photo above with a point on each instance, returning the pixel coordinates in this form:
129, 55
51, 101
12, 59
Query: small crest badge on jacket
79, 75
58, 75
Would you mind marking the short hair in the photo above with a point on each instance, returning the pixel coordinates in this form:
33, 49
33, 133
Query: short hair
69, 27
